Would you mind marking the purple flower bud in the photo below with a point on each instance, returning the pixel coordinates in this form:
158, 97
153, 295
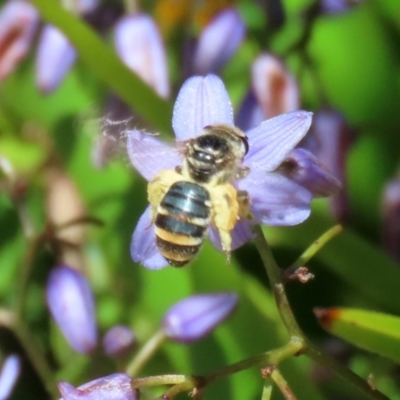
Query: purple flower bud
333, 139
218, 42
140, 47
274, 87
391, 218
195, 317
337, 6
8, 375
118, 341
305, 169
55, 57
111, 387
18, 22
71, 304
85, 6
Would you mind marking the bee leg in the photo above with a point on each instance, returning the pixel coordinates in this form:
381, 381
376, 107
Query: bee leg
225, 210
157, 187
243, 199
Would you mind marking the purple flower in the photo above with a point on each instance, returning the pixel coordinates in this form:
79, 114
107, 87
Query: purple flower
18, 23
195, 317
55, 57
9, 375
140, 47
274, 199
112, 387
218, 42
71, 304
118, 341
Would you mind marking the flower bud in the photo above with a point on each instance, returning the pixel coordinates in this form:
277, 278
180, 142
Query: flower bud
218, 42
55, 57
391, 218
71, 304
333, 139
195, 317
18, 23
118, 341
139, 45
305, 169
116, 387
274, 87
9, 375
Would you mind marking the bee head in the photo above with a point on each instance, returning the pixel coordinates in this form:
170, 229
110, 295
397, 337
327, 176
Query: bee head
215, 154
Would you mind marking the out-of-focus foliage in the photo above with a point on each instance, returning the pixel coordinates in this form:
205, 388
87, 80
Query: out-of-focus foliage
348, 61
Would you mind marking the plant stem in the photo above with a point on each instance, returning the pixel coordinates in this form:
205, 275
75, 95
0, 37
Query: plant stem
145, 353
282, 385
362, 385
274, 276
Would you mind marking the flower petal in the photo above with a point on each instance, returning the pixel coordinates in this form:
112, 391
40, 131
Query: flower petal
241, 234
116, 387
140, 47
119, 341
276, 200
218, 42
143, 246
71, 304
149, 155
9, 375
271, 142
193, 318
18, 23
304, 168
201, 101
55, 57
250, 114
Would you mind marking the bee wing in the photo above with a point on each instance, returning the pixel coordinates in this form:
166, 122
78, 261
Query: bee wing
149, 155
143, 246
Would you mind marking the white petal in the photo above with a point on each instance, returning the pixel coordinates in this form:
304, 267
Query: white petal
201, 101
143, 246
149, 155
271, 142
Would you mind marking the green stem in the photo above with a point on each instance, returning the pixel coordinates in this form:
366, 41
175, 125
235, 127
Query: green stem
145, 353
274, 276
362, 385
35, 355
283, 386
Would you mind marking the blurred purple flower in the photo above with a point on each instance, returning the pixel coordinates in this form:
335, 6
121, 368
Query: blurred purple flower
330, 140
337, 6
275, 199
9, 375
195, 317
140, 47
218, 42
118, 341
112, 387
18, 23
273, 92
55, 57
71, 304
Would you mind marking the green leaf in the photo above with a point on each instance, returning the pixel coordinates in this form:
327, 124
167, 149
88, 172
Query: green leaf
372, 331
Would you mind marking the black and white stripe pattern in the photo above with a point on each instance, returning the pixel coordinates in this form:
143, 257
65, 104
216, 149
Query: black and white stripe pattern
181, 222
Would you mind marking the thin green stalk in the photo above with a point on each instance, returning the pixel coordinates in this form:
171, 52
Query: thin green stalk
36, 358
145, 353
283, 386
274, 276
362, 385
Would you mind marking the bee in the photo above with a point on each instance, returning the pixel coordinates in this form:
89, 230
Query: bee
199, 193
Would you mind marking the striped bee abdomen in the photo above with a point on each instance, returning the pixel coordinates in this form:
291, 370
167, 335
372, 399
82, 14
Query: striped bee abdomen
181, 222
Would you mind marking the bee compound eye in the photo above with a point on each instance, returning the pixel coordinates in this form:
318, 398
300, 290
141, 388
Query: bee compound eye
245, 142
